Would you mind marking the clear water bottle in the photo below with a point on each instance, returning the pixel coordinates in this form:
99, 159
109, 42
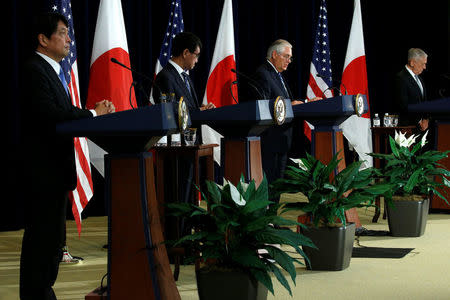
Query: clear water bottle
386, 120
376, 121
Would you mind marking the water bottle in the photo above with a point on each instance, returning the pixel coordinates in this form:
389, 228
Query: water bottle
386, 120
376, 121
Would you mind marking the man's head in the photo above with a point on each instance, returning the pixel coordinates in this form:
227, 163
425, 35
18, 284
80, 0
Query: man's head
51, 31
417, 60
280, 54
186, 48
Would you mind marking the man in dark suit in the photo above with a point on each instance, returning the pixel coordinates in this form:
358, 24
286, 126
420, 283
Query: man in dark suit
276, 141
49, 159
174, 79
409, 88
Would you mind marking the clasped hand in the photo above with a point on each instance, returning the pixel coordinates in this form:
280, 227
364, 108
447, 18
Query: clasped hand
104, 107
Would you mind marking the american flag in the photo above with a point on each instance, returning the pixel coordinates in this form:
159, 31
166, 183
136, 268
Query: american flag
84, 190
320, 76
175, 26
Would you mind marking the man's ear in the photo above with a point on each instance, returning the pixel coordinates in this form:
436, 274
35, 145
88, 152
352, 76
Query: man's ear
186, 52
42, 39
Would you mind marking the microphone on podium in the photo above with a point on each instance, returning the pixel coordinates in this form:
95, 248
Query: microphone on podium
250, 82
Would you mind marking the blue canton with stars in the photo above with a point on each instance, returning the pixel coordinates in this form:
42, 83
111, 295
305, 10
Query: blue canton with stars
321, 52
175, 26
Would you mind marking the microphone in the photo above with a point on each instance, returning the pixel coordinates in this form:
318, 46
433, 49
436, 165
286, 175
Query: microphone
333, 87
114, 60
250, 82
231, 90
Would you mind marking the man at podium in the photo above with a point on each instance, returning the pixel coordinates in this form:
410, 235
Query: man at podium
409, 88
276, 141
174, 79
49, 159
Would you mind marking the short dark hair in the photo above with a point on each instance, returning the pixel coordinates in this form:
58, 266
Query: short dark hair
46, 24
185, 40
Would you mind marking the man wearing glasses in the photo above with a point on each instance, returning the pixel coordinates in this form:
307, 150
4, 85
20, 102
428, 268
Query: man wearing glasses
174, 77
276, 141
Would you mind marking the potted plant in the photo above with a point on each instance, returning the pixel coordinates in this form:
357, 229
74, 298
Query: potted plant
329, 196
414, 174
236, 240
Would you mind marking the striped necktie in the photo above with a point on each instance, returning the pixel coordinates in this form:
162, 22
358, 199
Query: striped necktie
186, 82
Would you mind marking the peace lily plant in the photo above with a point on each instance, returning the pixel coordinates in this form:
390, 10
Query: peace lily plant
411, 170
238, 222
329, 194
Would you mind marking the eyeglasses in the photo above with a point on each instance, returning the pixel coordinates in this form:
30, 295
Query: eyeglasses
197, 55
287, 57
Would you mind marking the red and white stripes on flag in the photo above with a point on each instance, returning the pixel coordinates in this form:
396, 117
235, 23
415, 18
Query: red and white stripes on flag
79, 197
220, 89
108, 80
320, 74
354, 78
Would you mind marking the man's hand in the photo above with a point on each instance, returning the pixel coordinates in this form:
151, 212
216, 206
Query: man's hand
423, 123
208, 106
296, 102
104, 107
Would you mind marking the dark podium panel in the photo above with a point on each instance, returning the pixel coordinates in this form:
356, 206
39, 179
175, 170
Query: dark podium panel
326, 115
138, 266
241, 124
439, 110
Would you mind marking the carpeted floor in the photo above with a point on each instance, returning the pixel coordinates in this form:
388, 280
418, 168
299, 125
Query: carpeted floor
423, 273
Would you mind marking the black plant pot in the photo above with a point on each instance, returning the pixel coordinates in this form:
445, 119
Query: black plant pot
408, 218
226, 285
335, 246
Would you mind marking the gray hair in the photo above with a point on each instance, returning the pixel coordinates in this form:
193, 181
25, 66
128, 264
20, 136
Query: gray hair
415, 53
278, 46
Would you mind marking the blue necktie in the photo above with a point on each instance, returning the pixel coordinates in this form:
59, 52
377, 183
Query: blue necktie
282, 82
186, 81
63, 80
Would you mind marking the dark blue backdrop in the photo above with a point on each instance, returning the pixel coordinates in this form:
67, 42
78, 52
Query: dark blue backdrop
390, 28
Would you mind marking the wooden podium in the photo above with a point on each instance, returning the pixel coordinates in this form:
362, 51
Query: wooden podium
327, 138
439, 111
241, 124
138, 266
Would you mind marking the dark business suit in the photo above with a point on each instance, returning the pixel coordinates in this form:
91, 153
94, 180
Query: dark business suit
406, 92
276, 141
49, 170
168, 81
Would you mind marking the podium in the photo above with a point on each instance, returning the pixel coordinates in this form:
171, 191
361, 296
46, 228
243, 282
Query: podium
439, 110
241, 124
138, 266
326, 115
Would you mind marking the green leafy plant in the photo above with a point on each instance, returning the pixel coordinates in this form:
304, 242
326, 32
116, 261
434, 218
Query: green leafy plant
411, 170
329, 194
238, 225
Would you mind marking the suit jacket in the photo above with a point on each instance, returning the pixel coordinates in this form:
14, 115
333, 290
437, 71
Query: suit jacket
277, 138
168, 81
407, 91
49, 158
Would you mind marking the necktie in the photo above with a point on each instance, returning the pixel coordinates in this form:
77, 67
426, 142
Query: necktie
63, 80
282, 82
419, 83
186, 81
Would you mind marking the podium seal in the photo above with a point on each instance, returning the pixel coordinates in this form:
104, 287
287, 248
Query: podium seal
279, 110
183, 115
359, 105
